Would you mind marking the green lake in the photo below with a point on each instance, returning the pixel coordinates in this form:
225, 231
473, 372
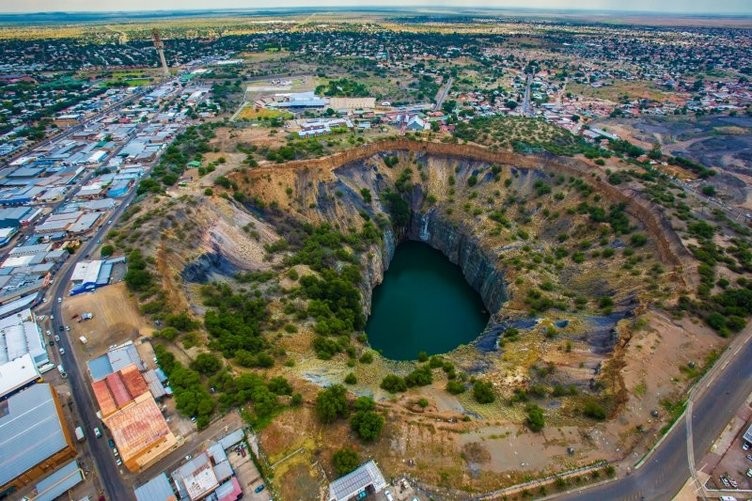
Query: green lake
423, 304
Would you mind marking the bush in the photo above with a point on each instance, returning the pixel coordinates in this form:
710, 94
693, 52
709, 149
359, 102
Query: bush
483, 392
107, 250
206, 364
421, 376
393, 384
366, 422
280, 386
331, 403
455, 387
594, 410
366, 358
351, 379
535, 420
345, 460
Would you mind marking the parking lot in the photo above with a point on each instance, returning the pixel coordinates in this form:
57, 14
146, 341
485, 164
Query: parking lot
248, 475
729, 462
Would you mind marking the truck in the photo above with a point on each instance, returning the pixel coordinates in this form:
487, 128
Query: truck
83, 339
86, 316
62, 372
79, 434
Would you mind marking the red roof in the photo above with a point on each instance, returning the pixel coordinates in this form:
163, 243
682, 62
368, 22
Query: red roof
118, 389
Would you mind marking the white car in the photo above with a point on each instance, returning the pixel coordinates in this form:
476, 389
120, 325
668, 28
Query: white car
62, 351
745, 446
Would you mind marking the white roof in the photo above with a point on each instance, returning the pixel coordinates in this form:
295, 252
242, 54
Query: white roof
86, 271
356, 481
20, 335
17, 373
16, 261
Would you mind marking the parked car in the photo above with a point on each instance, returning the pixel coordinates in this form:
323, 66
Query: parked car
111, 443
97, 432
745, 446
62, 350
259, 488
57, 338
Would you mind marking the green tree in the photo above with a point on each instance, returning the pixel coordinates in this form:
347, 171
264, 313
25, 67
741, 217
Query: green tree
483, 392
366, 422
206, 364
535, 420
331, 403
107, 250
345, 460
393, 384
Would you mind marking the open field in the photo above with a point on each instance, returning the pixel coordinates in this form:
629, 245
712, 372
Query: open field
619, 89
116, 318
251, 113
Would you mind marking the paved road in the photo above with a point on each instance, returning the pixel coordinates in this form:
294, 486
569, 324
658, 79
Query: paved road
526, 108
667, 471
442, 95
103, 459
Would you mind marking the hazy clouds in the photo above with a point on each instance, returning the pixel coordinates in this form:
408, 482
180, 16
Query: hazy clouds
679, 6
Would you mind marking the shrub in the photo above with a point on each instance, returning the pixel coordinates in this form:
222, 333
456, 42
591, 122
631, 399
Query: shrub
345, 460
421, 376
351, 379
366, 358
366, 422
393, 384
535, 420
107, 250
455, 387
594, 410
483, 392
423, 403
331, 403
280, 386
206, 364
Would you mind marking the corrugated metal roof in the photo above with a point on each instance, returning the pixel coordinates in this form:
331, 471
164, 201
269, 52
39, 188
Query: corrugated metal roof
156, 489
60, 482
223, 471
229, 491
156, 387
104, 398
356, 481
125, 355
99, 368
117, 387
232, 438
134, 381
30, 431
217, 452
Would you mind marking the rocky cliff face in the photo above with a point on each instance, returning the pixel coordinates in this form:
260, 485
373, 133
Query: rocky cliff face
455, 243
464, 250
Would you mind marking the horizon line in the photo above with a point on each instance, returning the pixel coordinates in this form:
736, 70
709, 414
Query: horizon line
355, 7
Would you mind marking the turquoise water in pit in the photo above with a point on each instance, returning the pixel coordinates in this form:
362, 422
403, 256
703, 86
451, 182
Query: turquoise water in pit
423, 304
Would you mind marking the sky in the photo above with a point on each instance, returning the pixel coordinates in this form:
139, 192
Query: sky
673, 6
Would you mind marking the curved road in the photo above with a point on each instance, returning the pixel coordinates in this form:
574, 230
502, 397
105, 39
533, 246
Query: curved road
667, 470
104, 461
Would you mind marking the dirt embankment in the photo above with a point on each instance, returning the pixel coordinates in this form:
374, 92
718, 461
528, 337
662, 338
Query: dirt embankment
670, 248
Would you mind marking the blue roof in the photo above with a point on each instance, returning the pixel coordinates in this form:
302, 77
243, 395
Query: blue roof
60, 482
100, 367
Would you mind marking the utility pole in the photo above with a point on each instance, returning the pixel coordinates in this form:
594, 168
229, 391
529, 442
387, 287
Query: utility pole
159, 46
